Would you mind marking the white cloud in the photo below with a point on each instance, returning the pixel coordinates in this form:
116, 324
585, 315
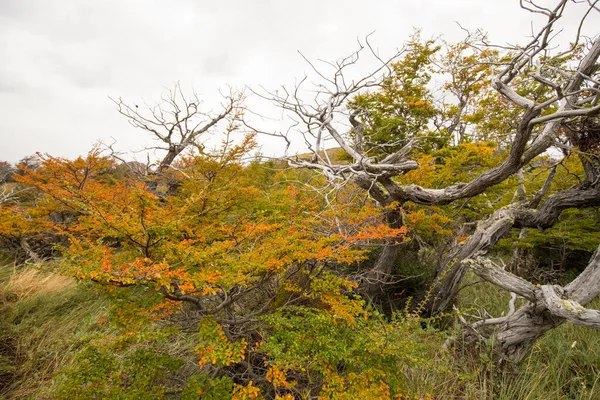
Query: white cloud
61, 59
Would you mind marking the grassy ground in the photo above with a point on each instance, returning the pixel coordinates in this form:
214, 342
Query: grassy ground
47, 320
44, 320
49, 327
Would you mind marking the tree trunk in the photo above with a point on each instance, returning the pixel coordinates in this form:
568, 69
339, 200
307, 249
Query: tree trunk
449, 277
373, 281
517, 335
548, 307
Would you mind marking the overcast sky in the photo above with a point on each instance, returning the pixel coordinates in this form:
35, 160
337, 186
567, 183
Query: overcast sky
61, 59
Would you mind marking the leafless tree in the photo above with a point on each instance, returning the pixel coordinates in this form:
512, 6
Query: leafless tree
6, 171
573, 109
30, 162
178, 122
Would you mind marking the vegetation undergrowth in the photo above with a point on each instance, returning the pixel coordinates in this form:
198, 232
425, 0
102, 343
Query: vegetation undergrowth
56, 336
61, 339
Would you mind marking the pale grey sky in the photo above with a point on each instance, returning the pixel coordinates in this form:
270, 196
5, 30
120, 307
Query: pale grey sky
61, 59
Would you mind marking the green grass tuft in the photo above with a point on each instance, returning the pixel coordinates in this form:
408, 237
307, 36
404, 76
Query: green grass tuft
45, 320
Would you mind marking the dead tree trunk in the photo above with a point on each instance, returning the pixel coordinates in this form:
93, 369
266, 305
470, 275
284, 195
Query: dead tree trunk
373, 281
548, 307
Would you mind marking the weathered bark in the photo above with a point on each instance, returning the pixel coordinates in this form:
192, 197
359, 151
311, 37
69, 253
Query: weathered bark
373, 281
486, 235
522, 330
489, 231
548, 307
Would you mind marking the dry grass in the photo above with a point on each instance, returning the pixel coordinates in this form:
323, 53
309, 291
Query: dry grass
31, 283
45, 319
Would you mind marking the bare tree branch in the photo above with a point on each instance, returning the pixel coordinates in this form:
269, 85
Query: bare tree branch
178, 121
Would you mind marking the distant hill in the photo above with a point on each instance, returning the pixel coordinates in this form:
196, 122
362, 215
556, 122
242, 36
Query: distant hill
336, 155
